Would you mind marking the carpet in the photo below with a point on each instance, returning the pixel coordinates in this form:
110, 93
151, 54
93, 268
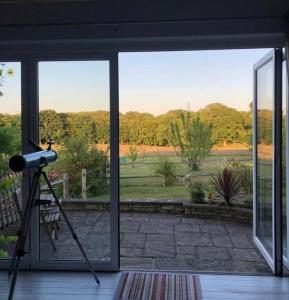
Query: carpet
158, 286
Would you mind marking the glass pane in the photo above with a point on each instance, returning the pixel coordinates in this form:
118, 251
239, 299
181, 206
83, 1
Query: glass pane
265, 154
284, 159
74, 111
10, 137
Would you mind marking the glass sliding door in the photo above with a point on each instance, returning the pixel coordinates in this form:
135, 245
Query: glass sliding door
78, 110
267, 161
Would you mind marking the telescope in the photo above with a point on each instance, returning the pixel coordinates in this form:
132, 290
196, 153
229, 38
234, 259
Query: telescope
18, 163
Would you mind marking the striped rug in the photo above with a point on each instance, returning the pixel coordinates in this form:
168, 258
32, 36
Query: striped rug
158, 286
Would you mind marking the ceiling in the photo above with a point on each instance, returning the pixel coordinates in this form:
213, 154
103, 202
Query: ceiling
48, 12
260, 22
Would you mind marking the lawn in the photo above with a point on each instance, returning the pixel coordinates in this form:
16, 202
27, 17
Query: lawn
140, 182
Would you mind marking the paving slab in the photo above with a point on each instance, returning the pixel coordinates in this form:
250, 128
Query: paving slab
159, 249
193, 239
213, 253
158, 241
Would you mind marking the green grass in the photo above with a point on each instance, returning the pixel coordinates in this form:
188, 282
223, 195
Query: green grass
152, 187
210, 165
154, 192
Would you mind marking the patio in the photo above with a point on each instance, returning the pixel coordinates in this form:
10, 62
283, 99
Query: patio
161, 241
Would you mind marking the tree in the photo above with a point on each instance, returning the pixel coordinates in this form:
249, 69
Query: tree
163, 126
50, 125
228, 124
10, 138
192, 140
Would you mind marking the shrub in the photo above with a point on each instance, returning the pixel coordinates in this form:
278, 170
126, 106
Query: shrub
196, 189
77, 156
167, 170
227, 185
6, 183
245, 173
4, 244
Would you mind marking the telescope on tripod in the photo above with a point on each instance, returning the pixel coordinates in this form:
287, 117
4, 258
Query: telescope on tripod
36, 160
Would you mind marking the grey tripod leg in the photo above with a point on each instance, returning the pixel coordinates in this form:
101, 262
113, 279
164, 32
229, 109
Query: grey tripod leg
71, 228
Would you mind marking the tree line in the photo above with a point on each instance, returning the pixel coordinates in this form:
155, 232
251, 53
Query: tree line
228, 125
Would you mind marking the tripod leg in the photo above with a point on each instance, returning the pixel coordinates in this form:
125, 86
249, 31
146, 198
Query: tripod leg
12, 287
24, 218
19, 249
71, 228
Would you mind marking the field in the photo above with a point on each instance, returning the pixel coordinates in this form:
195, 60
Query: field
141, 182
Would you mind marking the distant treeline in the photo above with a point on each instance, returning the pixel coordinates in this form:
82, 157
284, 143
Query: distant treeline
228, 125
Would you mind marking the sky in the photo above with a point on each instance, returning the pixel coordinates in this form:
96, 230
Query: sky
153, 82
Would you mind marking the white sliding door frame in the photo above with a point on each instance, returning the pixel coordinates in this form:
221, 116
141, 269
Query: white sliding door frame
35, 261
274, 260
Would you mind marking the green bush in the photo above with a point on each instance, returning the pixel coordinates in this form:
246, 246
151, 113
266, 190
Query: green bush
4, 242
167, 170
5, 184
196, 189
245, 174
77, 156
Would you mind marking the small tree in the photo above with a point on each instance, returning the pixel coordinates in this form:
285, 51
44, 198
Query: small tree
132, 154
166, 170
191, 139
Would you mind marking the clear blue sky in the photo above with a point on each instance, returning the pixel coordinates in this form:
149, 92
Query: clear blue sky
153, 82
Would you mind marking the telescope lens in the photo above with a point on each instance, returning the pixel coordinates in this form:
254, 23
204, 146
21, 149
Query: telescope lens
17, 163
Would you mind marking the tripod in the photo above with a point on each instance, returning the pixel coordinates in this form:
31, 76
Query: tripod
23, 231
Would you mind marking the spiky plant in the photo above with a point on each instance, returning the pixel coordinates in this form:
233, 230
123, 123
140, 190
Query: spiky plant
227, 185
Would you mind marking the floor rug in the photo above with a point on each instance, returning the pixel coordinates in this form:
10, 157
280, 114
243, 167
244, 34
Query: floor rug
158, 286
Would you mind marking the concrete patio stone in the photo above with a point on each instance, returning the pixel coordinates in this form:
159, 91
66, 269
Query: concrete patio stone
193, 239
133, 240
213, 228
160, 241
156, 228
131, 252
196, 221
168, 238
126, 226
245, 254
186, 250
187, 228
173, 264
213, 253
159, 249
222, 240
240, 240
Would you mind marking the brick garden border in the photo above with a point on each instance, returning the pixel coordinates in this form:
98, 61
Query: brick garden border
187, 208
